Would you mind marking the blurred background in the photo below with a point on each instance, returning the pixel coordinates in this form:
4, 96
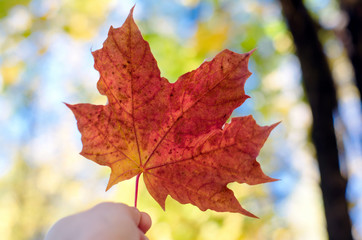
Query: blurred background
305, 70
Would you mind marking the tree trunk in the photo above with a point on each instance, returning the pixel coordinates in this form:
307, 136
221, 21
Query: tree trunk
353, 42
320, 90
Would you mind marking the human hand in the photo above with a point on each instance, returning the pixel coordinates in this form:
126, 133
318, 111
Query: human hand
108, 221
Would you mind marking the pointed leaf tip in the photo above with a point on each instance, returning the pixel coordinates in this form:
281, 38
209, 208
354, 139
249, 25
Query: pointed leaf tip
131, 11
274, 179
252, 51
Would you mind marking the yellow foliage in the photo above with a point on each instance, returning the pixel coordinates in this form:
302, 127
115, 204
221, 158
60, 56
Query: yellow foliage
84, 17
10, 73
80, 27
189, 3
211, 36
283, 43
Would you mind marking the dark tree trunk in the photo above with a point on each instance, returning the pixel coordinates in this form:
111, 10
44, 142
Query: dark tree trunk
353, 41
320, 90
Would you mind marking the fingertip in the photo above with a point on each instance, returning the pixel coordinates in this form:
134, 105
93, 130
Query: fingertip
145, 222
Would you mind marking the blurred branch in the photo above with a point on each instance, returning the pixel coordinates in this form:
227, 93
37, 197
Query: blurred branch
353, 42
321, 93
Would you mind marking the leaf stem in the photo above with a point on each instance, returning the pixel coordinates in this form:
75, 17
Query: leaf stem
136, 193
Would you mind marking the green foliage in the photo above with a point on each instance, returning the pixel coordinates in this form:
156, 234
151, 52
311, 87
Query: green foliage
6, 5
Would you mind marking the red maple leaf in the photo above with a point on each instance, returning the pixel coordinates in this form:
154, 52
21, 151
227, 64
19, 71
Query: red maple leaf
175, 134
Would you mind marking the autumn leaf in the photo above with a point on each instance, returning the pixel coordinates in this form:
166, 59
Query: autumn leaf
173, 134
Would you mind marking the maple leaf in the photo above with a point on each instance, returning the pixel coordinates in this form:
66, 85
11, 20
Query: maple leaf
174, 134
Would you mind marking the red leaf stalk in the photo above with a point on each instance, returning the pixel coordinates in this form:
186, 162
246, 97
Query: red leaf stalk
136, 193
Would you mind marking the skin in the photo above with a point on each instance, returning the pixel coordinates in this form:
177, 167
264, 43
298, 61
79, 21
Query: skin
110, 221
